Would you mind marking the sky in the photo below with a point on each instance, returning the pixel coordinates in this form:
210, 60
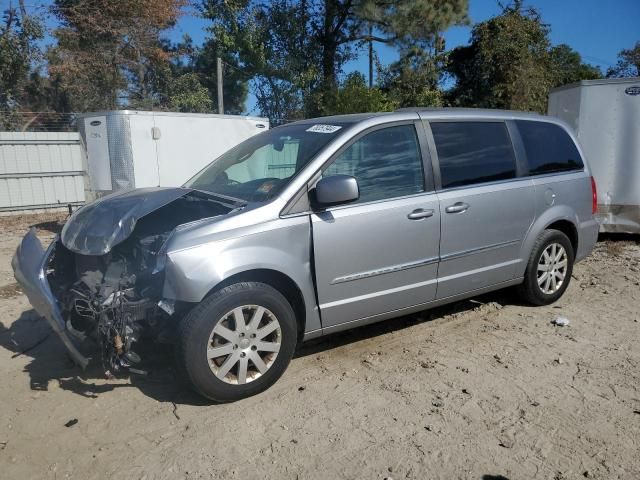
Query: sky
597, 29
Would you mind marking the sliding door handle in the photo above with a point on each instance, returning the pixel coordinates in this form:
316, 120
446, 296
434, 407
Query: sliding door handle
419, 213
457, 207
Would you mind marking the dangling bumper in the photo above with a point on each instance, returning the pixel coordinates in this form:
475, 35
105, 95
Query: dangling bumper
29, 266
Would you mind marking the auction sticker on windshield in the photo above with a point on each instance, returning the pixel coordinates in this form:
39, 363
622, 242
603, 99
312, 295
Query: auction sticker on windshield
324, 128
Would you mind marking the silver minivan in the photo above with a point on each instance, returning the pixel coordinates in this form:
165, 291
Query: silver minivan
315, 227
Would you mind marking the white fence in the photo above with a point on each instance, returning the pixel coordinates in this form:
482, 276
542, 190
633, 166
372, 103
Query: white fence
40, 170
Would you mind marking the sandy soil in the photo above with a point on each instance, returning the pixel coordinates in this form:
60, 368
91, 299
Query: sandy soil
484, 389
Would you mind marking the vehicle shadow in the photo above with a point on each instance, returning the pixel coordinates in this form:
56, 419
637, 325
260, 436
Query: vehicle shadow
339, 339
619, 237
30, 336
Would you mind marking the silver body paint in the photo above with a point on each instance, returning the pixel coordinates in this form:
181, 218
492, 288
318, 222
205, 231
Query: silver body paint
360, 263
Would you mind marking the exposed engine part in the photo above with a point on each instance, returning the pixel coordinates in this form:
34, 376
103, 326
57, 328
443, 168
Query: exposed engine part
119, 325
110, 298
116, 298
117, 343
169, 306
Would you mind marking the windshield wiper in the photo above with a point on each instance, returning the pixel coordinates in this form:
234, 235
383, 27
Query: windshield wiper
227, 200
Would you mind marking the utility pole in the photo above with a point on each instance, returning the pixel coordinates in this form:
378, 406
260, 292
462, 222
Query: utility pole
370, 56
219, 78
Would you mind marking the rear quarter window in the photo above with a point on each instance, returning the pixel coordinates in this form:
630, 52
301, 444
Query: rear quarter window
549, 148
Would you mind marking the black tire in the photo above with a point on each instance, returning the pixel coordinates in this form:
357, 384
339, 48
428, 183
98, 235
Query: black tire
529, 290
198, 325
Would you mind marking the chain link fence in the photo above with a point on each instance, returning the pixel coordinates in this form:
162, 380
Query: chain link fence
17, 121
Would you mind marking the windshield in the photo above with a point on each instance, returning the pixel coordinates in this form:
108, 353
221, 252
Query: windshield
261, 166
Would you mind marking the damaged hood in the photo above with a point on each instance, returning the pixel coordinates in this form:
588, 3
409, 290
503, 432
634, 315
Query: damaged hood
99, 226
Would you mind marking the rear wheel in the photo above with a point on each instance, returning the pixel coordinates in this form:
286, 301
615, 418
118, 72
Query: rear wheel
549, 269
237, 342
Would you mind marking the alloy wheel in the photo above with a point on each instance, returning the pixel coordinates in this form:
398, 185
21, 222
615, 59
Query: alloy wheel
552, 268
244, 344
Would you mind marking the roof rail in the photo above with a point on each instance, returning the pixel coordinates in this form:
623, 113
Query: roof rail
461, 110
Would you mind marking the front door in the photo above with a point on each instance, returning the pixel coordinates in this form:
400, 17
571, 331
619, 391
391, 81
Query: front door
379, 254
486, 207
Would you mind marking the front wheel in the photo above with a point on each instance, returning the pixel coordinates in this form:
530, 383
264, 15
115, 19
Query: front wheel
237, 342
549, 269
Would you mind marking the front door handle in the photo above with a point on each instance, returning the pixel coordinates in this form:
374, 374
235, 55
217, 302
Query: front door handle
419, 213
457, 207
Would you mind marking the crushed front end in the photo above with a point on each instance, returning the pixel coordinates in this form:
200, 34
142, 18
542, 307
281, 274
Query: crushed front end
113, 298
104, 279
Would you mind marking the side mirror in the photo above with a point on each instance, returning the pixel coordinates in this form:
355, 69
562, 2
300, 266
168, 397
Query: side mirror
335, 190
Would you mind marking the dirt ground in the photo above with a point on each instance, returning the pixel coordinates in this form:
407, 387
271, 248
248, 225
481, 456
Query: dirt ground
484, 389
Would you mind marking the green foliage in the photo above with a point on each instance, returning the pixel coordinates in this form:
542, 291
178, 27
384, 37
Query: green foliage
234, 82
628, 63
410, 23
19, 33
510, 63
506, 64
413, 80
189, 95
111, 55
354, 96
291, 53
404, 24
269, 43
294, 51
567, 66
45, 94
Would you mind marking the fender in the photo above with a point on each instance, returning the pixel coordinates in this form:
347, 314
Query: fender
191, 273
551, 215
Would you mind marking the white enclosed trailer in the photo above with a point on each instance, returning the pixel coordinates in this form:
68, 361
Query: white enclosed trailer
134, 149
606, 117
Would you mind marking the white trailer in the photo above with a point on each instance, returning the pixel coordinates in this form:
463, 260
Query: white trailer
606, 117
134, 149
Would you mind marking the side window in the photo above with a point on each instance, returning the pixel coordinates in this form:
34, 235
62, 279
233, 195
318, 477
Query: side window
548, 147
386, 162
473, 152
